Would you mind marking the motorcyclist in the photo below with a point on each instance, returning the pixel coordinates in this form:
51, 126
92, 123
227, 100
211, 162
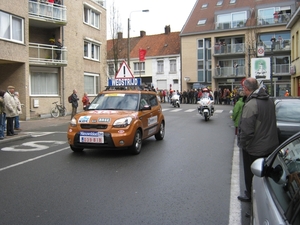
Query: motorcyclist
206, 93
175, 97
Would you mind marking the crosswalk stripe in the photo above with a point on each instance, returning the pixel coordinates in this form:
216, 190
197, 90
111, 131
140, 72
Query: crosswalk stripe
176, 110
190, 110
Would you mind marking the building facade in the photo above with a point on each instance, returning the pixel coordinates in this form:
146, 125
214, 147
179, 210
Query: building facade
221, 38
161, 67
49, 49
294, 25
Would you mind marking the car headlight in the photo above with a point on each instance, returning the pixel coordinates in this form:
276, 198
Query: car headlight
73, 122
123, 122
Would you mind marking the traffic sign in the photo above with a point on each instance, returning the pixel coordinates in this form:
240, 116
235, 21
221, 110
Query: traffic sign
124, 72
260, 51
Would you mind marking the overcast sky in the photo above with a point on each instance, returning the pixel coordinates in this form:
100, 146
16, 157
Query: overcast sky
161, 13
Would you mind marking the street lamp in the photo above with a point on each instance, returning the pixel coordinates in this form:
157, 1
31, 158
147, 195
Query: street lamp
128, 33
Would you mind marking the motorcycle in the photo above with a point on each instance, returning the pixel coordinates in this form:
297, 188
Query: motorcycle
175, 101
206, 108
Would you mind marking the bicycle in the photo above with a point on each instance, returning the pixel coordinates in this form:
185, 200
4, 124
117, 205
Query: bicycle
59, 109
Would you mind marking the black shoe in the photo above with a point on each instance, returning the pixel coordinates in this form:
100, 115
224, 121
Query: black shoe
244, 199
9, 135
247, 214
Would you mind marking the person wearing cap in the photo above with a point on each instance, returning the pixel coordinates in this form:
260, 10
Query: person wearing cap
237, 111
10, 110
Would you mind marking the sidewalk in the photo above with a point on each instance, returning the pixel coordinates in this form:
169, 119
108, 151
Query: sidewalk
34, 125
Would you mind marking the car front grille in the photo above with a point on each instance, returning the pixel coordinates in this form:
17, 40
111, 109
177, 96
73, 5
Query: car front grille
93, 126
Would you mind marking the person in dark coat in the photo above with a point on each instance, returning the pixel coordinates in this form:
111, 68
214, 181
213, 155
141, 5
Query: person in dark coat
257, 132
74, 101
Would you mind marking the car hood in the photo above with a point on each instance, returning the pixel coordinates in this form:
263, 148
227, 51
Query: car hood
103, 116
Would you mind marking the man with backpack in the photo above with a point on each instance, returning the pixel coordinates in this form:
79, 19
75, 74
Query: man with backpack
74, 100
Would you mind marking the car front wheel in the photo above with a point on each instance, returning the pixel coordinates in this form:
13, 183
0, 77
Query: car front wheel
136, 146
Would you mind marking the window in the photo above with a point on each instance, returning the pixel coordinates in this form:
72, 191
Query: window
91, 84
204, 5
160, 66
232, 1
219, 2
231, 20
11, 27
173, 66
111, 69
91, 50
44, 83
201, 22
139, 68
91, 16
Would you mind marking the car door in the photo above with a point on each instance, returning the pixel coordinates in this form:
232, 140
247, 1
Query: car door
276, 196
148, 116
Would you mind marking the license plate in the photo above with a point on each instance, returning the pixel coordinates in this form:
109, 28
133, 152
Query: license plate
91, 137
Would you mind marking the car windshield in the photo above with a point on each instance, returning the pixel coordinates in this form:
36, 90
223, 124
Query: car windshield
115, 101
288, 111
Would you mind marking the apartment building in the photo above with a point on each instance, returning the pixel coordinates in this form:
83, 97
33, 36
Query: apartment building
32, 60
161, 67
294, 25
222, 38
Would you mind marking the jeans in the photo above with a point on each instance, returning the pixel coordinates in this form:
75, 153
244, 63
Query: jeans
4, 121
1, 125
17, 122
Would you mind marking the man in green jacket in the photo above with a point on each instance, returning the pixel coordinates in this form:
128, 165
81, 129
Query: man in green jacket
237, 111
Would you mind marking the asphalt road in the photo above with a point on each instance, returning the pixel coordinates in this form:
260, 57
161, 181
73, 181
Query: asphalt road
184, 179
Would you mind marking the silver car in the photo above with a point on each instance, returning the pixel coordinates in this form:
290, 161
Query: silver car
276, 185
288, 116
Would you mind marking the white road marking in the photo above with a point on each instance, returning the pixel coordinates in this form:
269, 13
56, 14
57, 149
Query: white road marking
32, 159
235, 204
190, 110
40, 134
32, 146
175, 110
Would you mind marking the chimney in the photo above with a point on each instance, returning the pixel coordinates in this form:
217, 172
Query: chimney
120, 35
142, 33
167, 29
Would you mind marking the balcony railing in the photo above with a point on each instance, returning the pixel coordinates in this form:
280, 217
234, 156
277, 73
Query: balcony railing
282, 69
267, 20
230, 72
230, 48
47, 55
48, 11
277, 45
231, 24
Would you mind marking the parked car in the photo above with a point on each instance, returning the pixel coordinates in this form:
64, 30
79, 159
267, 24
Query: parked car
288, 117
276, 185
118, 119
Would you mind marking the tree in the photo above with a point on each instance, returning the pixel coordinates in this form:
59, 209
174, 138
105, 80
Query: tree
115, 29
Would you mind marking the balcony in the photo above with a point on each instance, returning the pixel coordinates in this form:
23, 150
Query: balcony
229, 72
231, 24
47, 12
282, 69
267, 20
46, 55
229, 49
276, 46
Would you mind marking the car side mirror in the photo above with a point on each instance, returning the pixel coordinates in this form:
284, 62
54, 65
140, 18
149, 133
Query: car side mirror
257, 167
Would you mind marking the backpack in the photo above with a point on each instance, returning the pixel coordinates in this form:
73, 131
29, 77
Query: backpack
70, 99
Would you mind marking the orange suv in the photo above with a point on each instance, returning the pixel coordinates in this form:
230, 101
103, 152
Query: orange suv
117, 119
